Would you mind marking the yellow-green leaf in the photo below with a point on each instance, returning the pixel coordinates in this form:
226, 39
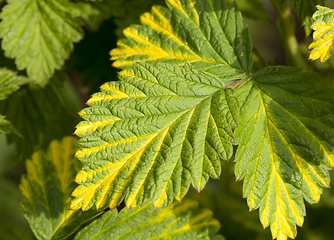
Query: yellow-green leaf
178, 221
46, 191
286, 145
152, 134
323, 35
207, 34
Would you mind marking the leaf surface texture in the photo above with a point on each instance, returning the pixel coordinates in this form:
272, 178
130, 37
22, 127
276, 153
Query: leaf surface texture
286, 137
178, 221
207, 34
152, 134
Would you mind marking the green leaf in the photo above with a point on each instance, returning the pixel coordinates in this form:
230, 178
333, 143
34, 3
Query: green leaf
46, 191
39, 34
10, 82
323, 35
252, 9
152, 134
207, 34
178, 221
286, 137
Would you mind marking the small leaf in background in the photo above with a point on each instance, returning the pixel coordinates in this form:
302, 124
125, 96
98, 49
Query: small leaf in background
178, 221
152, 134
10, 82
305, 9
6, 126
39, 114
323, 35
46, 191
93, 13
39, 34
286, 145
207, 34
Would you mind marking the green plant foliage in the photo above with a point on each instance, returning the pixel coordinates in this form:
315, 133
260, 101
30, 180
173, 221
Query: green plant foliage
46, 191
305, 10
6, 126
9, 83
178, 221
286, 145
152, 134
323, 36
207, 34
39, 115
39, 34
188, 99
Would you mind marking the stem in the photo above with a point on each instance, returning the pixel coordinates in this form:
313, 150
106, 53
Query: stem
286, 27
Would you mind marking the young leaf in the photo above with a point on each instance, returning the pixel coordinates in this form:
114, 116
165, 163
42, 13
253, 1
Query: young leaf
208, 34
178, 221
286, 137
6, 126
46, 191
10, 82
152, 134
305, 10
39, 34
323, 36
